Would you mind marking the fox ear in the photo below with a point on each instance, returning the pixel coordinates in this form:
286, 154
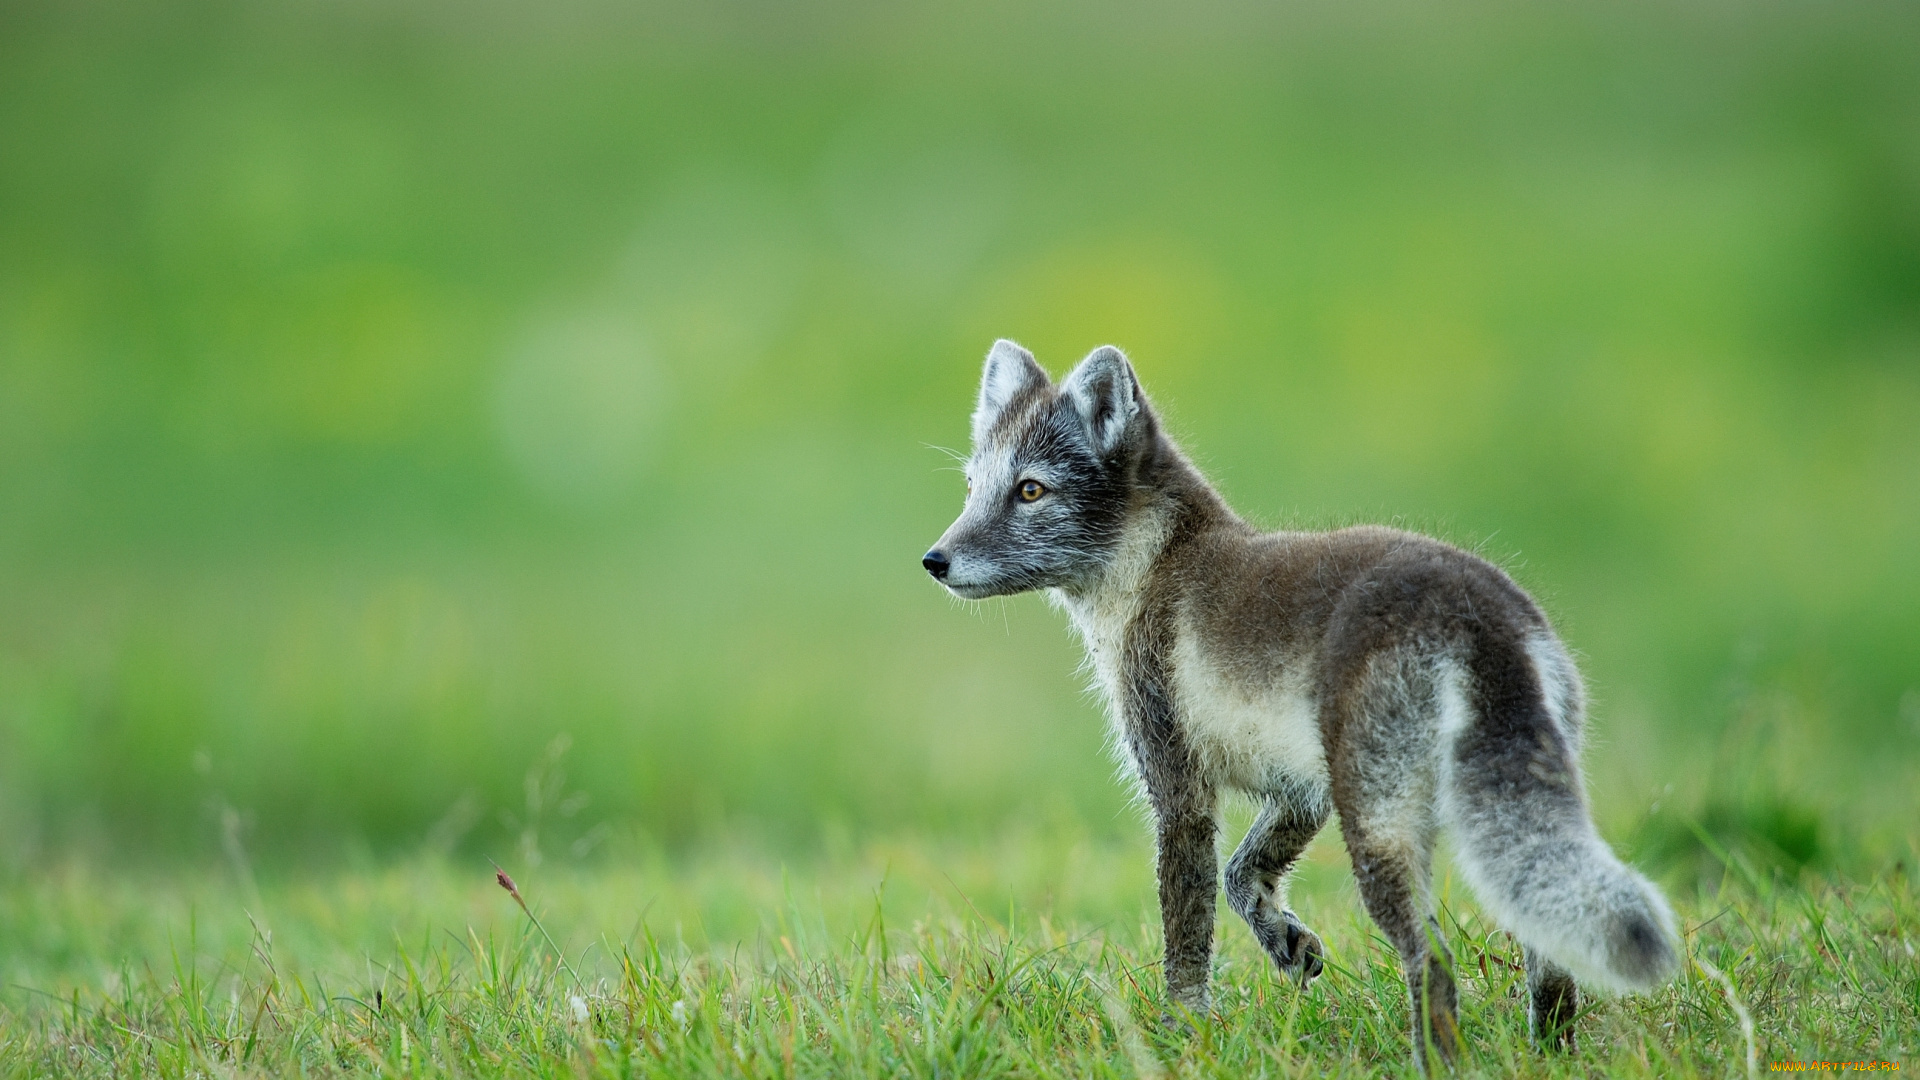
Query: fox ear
1011, 371
1104, 390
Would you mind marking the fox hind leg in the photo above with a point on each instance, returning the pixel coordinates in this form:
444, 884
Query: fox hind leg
1552, 1002
1384, 771
1256, 884
1391, 883
1384, 793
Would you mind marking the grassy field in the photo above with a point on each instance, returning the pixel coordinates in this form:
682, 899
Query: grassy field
1030, 957
433, 430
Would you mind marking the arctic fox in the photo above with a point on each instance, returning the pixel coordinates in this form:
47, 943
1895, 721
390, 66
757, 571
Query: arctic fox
1397, 679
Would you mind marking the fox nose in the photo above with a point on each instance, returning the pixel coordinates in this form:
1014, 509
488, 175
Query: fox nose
936, 563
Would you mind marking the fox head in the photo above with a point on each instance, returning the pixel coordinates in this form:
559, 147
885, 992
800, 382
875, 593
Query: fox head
1052, 477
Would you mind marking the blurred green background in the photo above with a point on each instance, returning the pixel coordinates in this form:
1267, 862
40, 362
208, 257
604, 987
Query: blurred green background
470, 426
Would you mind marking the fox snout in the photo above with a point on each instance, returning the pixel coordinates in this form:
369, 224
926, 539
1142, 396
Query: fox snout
966, 570
936, 563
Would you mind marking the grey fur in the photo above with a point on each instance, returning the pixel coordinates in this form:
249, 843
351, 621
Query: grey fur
1404, 682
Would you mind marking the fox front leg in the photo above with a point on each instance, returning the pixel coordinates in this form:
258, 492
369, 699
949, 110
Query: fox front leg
1257, 877
1188, 880
1185, 813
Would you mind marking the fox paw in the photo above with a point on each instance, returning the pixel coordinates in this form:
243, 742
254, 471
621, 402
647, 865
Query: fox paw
1297, 950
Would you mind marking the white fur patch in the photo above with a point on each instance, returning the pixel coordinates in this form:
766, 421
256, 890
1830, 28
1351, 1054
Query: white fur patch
1559, 686
1450, 690
1002, 381
1102, 615
1259, 739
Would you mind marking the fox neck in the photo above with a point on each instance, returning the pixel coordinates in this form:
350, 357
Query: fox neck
1102, 609
1175, 501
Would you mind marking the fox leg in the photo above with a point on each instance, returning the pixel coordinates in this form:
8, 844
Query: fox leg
1186, 865
1384, 791
1383, 767
1552, 1002
1185, 809
1256, 884
1391, 879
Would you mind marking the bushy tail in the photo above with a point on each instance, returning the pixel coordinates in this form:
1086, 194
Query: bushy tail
1519, 820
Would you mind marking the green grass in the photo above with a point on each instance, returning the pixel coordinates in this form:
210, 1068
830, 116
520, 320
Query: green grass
1030, 957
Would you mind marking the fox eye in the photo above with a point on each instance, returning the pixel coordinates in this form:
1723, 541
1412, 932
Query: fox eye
1031, 490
